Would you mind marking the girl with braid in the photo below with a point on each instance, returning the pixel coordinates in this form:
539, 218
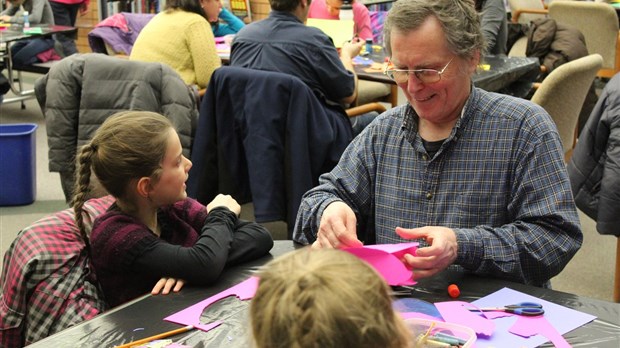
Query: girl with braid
324, 298
154, 237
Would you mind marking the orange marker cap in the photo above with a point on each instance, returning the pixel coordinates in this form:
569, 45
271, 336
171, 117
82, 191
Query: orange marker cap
453, 291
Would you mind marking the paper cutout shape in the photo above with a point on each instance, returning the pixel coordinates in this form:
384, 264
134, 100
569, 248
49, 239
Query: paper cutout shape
191, 315
561, 318
386, 259
530, 326
456, 312
340, 31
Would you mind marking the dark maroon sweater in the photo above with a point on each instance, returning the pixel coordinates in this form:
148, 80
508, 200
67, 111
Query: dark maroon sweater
129, 258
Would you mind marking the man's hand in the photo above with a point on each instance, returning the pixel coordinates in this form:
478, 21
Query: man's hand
164, 285
337, 228
351, 49
433, 259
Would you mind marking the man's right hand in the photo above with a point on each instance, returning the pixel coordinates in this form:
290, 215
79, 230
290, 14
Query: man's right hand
351, 49
337, 228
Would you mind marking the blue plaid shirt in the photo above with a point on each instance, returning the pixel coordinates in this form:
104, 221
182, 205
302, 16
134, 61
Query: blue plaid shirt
499, 180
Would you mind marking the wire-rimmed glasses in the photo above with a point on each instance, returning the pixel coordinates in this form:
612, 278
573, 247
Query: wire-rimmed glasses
424, 75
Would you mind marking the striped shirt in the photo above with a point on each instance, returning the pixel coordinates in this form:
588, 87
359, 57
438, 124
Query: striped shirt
499, 180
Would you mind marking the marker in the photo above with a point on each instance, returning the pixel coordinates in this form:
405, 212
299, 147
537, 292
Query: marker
453, 291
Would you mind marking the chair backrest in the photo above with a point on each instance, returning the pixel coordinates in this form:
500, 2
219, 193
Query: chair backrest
598, 22
47, 281
525, 17
563, 92
263, 136
81, 91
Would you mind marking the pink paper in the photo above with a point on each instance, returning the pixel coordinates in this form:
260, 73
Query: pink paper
191, 315
456, 312
530, 326
386, 259
560, 318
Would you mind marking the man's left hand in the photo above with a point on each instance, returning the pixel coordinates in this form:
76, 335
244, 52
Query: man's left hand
434, 258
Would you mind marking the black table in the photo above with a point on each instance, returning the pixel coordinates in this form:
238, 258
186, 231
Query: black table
119, 326
16, 33
508, 75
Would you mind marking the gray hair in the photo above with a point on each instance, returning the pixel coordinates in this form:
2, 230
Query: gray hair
458, 18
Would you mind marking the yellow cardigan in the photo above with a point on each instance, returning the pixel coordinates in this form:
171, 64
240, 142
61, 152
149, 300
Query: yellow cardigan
184, 41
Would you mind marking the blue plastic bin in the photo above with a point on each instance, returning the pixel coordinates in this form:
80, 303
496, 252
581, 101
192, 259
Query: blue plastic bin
17, 163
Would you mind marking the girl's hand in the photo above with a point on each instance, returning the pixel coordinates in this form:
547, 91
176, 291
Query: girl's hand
224, 201
165, 284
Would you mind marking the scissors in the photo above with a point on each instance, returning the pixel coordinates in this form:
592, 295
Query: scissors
530, 309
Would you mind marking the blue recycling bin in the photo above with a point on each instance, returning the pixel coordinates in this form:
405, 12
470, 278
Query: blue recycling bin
17, 164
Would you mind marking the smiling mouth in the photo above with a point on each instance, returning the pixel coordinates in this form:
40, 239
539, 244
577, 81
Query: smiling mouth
424, 99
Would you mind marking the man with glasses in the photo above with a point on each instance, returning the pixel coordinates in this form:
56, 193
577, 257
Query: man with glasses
477, 178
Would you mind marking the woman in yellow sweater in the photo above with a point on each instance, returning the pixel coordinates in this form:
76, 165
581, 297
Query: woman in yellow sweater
181, 37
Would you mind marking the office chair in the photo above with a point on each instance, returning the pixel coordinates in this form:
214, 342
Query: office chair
525, 11
264, 137
563, 92
598, 22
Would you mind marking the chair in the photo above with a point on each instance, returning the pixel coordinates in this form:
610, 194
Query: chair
81, 91
598, 22
47, 280
563, 92
264, 137
525, 11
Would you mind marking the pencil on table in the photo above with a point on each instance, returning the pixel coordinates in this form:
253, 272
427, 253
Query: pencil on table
156, 337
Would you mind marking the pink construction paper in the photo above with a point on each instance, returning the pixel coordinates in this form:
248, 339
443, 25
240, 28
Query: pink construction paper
386, 259
457, 312
191, 315
561, 318
530, 326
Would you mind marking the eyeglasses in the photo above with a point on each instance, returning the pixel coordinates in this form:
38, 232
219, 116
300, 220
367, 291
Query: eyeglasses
424, 75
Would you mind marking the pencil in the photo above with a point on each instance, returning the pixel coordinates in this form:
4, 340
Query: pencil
156, 337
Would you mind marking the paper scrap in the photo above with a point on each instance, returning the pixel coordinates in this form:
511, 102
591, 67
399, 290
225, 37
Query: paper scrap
386, 259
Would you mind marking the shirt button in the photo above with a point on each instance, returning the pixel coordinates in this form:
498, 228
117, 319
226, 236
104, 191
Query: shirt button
429, 195
425, 157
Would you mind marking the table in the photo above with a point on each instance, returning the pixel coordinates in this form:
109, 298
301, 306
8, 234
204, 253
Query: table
16, 33
508, 75
118, 325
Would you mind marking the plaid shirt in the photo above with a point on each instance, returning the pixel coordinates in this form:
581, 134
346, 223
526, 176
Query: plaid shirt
47, 284
499, 180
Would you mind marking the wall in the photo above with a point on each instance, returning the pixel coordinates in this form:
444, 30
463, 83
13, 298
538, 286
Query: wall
85, 24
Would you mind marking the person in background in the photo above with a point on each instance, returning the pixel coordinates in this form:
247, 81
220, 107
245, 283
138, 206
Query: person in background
494, 25
154, 237
24, 52
324, 298
283, 43
181, 37
478, 178
227, 23
65, 13
330, 9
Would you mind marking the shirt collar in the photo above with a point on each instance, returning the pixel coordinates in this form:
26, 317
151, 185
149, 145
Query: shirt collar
285, 16
410, 117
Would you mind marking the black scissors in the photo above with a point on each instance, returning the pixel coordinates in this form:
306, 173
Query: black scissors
530, 309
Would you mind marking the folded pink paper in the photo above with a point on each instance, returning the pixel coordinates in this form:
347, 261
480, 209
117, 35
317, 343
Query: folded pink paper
386, 259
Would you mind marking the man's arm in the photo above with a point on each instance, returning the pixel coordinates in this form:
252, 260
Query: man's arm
545, 232
348, 51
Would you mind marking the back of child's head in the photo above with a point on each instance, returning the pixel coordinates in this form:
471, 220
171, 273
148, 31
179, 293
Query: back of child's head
324, 298
127, 146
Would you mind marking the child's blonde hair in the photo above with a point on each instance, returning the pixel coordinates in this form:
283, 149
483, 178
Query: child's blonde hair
324, 298
127, 146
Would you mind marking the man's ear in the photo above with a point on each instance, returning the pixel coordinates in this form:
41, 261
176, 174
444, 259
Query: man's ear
304, 3
143, 186
474, 62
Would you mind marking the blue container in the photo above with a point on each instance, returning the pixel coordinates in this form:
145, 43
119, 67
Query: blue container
17, 163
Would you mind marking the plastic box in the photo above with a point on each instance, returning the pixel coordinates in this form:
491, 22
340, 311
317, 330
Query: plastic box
17, 163
430, 333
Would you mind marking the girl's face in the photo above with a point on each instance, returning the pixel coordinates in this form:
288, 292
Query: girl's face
170, 187
211, 9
